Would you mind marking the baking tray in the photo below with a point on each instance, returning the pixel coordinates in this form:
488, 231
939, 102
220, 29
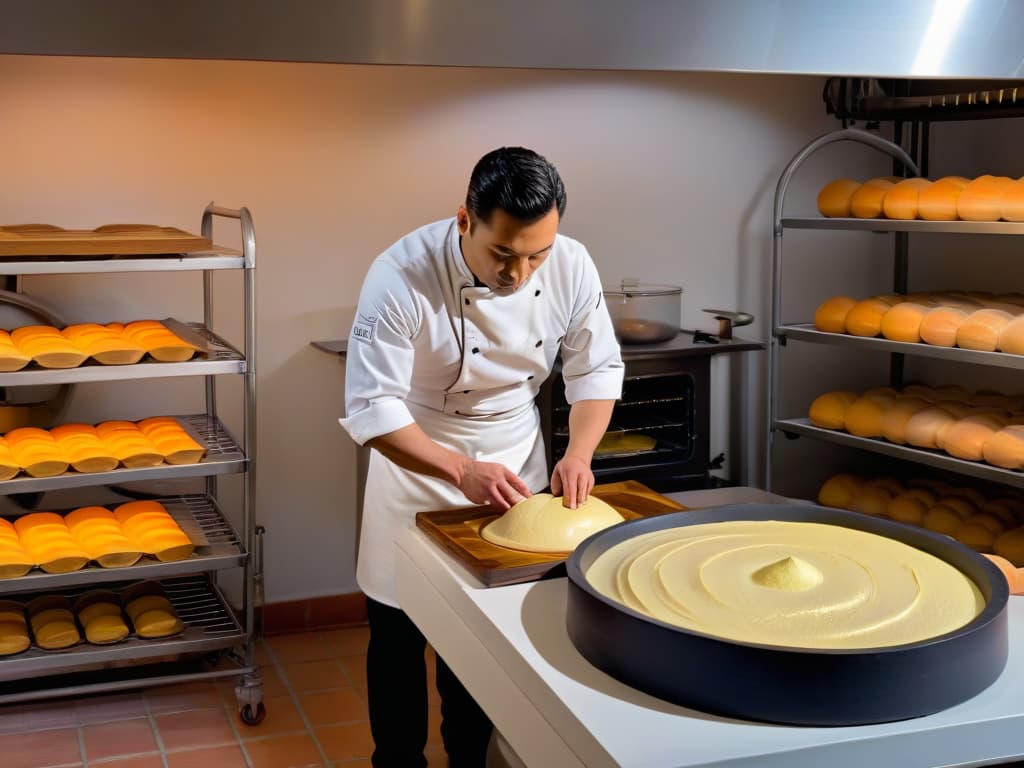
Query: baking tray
795, 686
457, 531
47, 240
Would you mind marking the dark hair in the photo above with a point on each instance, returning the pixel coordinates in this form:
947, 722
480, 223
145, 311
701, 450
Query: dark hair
517, 180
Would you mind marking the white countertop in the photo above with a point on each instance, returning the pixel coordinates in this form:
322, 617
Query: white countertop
510, 648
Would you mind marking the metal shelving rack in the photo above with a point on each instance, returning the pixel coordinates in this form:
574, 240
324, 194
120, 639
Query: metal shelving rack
781, 333
212, 630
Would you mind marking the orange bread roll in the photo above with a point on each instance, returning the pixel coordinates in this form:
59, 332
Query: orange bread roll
1012, 201
11, 358
99, 612
9, 467
99, 534
36, 452
1005, 448
834, 197
907, 508
980, 331
48, 541
1010, 545
830, 316
865, 317
47, 346
128, 444
161, 343
863, 417
900, 202
927, 427
977, 537
838, 491
172, 440
1014, 577
982, 199
866, 201
938, 201
871, 500
940, 325
14, 560
151, 529
903, 322
105, 345
1011, 337
83, 448
829, 410
966, 438
941, 519
896, 416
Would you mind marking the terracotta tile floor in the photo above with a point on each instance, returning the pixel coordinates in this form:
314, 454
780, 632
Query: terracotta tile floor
314, 690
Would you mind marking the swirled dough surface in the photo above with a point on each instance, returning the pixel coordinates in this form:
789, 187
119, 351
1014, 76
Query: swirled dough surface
540, 523
804, 585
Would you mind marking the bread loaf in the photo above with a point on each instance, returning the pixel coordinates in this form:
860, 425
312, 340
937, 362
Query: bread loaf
941, 519
83, 448
867, 200
103, 344
896, 416
159, 341
903, 322
99, 612
865, 317
1011, 546
53, 623
938, 201
838, 491
834, 197
49, 543
177, 446
14, 560
977, 537
940, 325
863, 417
927, 427
980, 331
902, 200
907, 508
871, 500
829, 410
36, 451
13, 628
11, 358
1011, 337
830, 316
127, 443
151, 612
100, 536
47, 346
965, 439
1012, 208
982, 199
152, 530
1005, 448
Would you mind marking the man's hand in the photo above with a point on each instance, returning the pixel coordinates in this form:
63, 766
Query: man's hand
572, 480
485, 482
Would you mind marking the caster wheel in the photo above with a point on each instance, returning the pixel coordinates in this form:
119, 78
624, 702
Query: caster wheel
252, 716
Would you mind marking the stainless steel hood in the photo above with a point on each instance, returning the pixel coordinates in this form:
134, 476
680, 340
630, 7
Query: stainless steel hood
869, 38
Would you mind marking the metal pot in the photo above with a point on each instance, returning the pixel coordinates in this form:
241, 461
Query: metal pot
644, 314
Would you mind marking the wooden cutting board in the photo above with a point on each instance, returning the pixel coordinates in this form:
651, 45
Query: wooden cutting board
108, 240
457, 531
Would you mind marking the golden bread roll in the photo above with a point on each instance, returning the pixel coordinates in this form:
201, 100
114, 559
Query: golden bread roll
152, 530
977, 537
47, 347
863, 417
105, 345
871, 500
980, 331
157, 623
49, 543
829, 410
900, 202
918, 390
100, 615
160, 342
903, 322
941, 519
838, 490
866, 201
940, 325
1005, 448
982, 199
13, 638
1010, 545
151, 612
1012, 201
100, 535
927, 427
53, 622
830, 316
865, 317
938, 201
834, 198
1011, 337
9, 467
985, 520
966, 438
12, 610
896, 416
998, 509
129, 444
11, 358
177, 446
1014, 577
907, 508
891, 484
972, 495
36, 452
83, 448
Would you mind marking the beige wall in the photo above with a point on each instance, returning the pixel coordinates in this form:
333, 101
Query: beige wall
670, 178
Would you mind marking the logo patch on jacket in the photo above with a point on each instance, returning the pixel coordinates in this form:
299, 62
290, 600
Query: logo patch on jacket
363, 328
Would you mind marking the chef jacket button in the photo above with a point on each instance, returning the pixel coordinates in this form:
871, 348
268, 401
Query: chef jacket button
539, 343
560, 339
537, 292
476, 350
465, 391
530, 377
467, 302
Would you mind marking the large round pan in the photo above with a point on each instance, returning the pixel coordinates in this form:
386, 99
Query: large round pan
782, 684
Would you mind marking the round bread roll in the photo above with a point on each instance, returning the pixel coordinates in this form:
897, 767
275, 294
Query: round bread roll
938, 201
830, 316
891, 484
982, 199
901, 201
1012, 201
998, 508
863, 417
939, 326
834, 197
1011, 337
1005, 448
838, 490
961, 506
871, 500
918, 390
1010, 545
907, 508
972, 495
903, 322
866, 201
977, 537
1014, 578
865, 317
966, 438
927, 427
942, 519
896, 416
829, 410
980, 331
985, 520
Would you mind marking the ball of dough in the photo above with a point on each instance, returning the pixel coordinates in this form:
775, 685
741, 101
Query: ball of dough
901, 201
938, 202
977, 537
838, 491
829, 410
540, 523
982, 199
966, 438
896, 416
1005, 448
871, 500
1011, 337
939, 326
1010, 545
942, 519
927, 427
980, 331
834, 197
866, 201
830, 316
1012, 202
865, 317
903, 322
863, 417
907, 508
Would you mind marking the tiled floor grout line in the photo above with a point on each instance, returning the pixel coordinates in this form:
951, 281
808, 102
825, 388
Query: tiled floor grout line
238, 736
279, 668
80, 729
156, 730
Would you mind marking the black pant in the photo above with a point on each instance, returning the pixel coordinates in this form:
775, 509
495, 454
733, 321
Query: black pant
396, 675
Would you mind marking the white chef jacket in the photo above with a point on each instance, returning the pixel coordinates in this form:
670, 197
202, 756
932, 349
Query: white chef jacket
464, 363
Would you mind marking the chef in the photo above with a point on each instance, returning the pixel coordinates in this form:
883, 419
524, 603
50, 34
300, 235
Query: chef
457, 326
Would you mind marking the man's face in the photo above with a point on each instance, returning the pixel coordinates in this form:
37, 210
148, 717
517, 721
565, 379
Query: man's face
504, 251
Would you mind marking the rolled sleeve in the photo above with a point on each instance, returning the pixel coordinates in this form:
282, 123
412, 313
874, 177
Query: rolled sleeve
591, 359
